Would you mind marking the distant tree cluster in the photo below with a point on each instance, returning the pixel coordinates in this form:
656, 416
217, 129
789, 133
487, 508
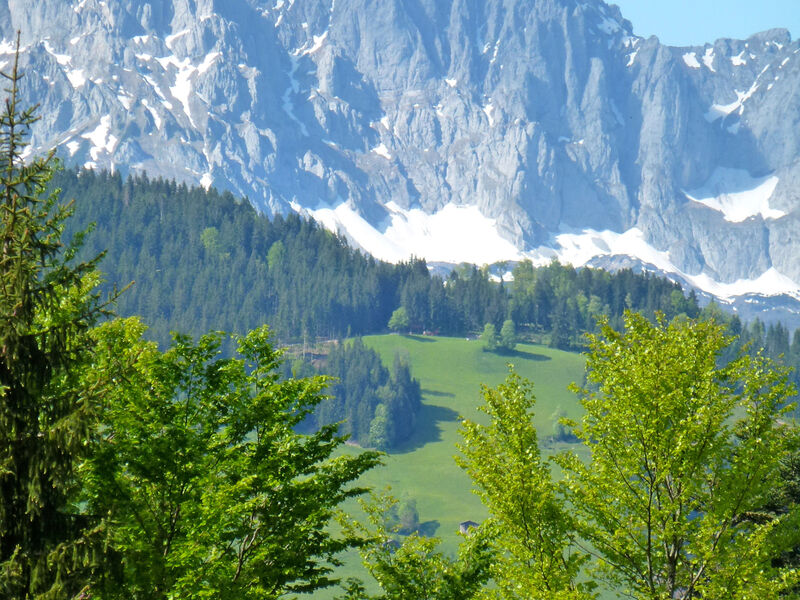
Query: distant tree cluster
378, 408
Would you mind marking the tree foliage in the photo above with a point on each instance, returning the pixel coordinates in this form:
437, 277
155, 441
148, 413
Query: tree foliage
378, 407
677, 498
489, 337
208, 490
683, 450
46, 306
399, 320
304, 280
415, 569
508, 336
535, 555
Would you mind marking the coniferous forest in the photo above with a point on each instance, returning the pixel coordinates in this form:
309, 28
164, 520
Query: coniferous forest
202, 260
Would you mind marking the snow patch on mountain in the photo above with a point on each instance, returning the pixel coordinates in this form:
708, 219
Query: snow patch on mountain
737, 195
738, 60
723, 110
690, 59
77, 78
578, 248
769, 283
101, 138
453, 234
708, 60
382, 150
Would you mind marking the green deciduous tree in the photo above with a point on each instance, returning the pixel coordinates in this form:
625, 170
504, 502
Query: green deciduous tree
399, 320
208, 490
46, 307
508, 335
535, 554
684, 455
682, 451
489, 337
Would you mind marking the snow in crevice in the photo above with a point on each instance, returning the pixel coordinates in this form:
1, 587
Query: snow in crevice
316, 43
170, 39
73, 146
489, 112
61, 59
723, 110
182, 89
494, 53
708, 60
737, 195
167, 104
451, 82
101, 138
208, 62
382, 150
126, 100
690, 59
153, 113
738, 60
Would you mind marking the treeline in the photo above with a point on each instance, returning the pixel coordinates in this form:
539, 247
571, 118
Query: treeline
202, 260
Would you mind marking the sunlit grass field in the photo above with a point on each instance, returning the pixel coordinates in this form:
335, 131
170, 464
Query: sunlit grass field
451, 371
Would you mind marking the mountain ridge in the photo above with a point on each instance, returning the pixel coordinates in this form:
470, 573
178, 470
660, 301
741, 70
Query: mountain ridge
545, 129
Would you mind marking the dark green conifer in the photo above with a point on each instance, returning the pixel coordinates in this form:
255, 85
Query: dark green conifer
46, 305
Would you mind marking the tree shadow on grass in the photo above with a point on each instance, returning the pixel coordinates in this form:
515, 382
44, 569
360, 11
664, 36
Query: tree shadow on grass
437, 393
428, 528
419, 338
428, 427
522, 354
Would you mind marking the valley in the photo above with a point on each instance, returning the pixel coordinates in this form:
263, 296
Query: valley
451, 371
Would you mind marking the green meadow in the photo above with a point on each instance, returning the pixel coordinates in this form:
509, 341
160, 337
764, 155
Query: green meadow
451, 372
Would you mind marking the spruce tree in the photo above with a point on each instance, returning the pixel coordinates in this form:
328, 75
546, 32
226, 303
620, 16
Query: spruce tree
46, 304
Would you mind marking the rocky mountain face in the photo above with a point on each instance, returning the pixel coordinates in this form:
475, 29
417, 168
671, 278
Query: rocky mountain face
472, 130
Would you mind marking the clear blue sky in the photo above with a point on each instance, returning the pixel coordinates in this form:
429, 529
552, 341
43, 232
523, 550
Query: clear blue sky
695, 22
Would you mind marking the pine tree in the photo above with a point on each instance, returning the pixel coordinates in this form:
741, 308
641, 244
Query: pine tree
46, 305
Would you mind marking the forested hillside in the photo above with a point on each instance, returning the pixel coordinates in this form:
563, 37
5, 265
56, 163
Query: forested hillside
202, 260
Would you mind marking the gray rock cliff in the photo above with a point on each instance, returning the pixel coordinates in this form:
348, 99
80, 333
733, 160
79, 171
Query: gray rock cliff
549, 116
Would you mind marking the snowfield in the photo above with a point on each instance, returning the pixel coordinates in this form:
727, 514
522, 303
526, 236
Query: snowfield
456, 234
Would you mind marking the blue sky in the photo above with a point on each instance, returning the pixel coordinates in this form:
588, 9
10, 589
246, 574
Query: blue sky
694, 22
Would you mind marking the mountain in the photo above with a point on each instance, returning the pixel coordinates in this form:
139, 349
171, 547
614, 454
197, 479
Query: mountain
457, 130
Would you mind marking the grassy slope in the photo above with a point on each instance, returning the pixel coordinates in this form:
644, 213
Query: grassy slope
451, 371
